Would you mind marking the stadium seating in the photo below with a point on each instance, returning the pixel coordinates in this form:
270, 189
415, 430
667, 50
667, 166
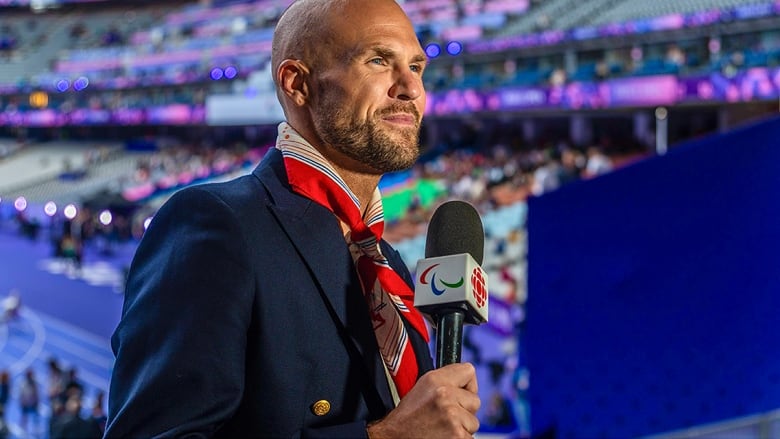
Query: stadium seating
35, 165
107, 173
180, 45
638, 9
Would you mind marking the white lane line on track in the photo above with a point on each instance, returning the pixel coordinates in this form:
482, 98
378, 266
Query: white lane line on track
39, 338
80, 333
3, 335
80, 352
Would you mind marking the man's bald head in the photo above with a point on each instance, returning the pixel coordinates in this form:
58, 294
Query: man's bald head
309, 29
300, 25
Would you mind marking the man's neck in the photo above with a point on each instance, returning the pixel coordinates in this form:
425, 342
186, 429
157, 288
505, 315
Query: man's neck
361, 184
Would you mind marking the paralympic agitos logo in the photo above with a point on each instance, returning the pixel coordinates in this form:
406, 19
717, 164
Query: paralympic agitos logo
438, 292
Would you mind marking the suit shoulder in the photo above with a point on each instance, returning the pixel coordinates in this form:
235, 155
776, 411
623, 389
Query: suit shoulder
241, 191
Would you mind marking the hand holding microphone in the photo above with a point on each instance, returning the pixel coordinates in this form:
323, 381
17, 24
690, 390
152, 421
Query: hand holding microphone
452, 289
443, 404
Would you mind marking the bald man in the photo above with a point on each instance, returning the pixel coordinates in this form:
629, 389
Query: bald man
270, 306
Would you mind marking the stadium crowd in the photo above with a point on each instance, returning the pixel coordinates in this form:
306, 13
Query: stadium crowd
53, 407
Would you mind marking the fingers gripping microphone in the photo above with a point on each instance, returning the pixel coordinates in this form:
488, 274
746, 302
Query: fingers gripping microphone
451, 286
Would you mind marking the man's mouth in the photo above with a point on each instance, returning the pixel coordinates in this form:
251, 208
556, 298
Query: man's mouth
400, 119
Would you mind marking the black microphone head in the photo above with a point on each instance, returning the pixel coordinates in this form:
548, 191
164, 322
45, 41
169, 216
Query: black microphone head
455, 228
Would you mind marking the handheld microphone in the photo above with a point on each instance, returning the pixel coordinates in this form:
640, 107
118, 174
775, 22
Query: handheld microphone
451, 287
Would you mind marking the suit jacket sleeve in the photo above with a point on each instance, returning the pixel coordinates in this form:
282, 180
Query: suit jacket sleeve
180, 344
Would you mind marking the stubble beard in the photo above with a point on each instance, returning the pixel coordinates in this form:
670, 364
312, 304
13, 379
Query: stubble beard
380, 148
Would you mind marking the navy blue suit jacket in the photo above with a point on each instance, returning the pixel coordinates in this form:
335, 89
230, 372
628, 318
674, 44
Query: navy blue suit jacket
242, 310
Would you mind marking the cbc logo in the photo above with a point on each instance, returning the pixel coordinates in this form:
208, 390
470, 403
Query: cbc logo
478, 287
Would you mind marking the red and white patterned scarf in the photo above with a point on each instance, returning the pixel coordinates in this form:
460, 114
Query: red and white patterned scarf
312, 176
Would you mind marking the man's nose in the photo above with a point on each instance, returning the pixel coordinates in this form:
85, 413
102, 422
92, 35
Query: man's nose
408, 85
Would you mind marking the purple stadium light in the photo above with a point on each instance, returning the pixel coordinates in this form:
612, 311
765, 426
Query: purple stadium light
105, 217
62, 85
70, 211
454, 48
20, 204
230, 72
81, 83
216, 74
432, 50
50, 208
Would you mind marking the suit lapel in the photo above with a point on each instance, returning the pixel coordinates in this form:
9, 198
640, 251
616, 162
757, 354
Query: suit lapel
328, 261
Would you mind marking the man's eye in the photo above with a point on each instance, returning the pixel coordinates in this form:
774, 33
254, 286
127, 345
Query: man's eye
377, 61
415, 68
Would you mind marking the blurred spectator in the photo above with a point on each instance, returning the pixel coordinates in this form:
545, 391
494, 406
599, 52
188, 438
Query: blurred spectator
72, 425
71, 250
57, 412
542, 23
597, 163
546, 176
602, 70
558, 77
5, 430
98, 414
675, 56
571, 164
56, 384
10, 306
5, 387
735, 62
8, 40
28, 227
112, 37
28, 402
73, 387
77, 31
498, 413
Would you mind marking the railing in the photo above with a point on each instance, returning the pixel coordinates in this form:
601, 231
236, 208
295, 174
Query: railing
760, 426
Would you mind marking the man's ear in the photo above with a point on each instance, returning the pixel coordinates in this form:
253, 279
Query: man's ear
291, 76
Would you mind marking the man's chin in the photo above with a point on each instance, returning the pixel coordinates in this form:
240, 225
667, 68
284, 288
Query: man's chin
405, 139
407, 162
383, 166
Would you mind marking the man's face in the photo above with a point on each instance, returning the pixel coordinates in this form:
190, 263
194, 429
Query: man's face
368, 97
